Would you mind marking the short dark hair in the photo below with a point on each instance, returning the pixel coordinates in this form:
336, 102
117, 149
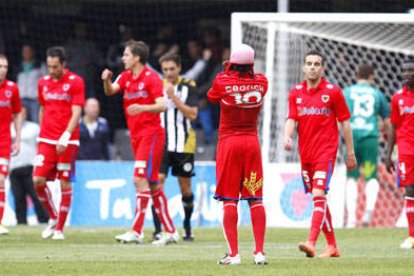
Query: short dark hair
3, 56
314, 53
365, 71
57, 51
138, 48
171, 57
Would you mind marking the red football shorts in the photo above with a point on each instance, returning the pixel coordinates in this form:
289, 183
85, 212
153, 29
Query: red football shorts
317, 175
51, 165
239, 168
5, 150
148, 152
405, 170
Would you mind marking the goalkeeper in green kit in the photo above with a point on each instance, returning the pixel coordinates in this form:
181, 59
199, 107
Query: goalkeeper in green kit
366, 104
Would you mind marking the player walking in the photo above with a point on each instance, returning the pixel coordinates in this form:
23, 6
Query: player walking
315, 106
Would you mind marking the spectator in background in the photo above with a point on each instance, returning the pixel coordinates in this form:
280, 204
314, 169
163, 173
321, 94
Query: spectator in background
115, 51
28, 72
94, 133
84, 58
21, 169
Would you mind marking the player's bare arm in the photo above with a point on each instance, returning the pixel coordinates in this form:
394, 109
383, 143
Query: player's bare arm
159, 106
390, 148
110, 88
290, 126
64, 138
350, 161
17, 122
189, 112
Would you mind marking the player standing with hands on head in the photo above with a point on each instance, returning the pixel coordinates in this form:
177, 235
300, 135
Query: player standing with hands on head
240, 93
402, 133
10, 110
143, 101
61, 97
315, 107
365, 103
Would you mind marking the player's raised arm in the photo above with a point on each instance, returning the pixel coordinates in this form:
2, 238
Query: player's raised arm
110, 88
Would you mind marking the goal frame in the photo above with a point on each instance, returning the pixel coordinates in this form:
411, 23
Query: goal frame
276, 20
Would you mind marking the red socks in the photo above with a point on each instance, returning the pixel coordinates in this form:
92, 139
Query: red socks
258, 216
327, 228
142, 198
2, 202
230, 218
45, 198
409, 210
161, 208
65, 204
318, 218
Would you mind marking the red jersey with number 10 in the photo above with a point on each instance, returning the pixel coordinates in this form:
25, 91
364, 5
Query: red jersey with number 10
57, 96
402, 115
9, 104
240, 101
141, 89
317, 111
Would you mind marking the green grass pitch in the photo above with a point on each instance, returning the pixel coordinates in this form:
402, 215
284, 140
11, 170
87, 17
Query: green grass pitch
94, 251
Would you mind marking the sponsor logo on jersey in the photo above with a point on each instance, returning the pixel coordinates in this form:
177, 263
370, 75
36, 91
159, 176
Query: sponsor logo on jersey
135, 95
5, 104
325, 98
314, 111
57, 96
407, 110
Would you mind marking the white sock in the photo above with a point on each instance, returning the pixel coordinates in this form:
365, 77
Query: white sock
371, 193
351, 201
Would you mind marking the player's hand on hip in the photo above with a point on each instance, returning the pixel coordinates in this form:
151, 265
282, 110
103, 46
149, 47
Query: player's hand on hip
287, 144
351, 162
135, 109
107, 74
60, 148
389, 164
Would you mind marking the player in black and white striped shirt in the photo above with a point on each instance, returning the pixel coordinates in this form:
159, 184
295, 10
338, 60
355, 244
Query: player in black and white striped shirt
182, 108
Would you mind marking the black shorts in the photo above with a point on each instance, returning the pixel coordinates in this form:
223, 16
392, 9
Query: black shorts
182, 163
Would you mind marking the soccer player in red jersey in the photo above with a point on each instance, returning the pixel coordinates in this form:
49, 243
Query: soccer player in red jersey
143, 101
61, 97
240, 92
402, 132
315, 107
10, 107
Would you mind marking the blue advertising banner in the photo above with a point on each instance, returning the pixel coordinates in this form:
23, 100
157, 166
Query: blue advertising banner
104, 195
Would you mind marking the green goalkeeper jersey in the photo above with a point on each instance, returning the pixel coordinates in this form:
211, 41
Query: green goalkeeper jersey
365, 103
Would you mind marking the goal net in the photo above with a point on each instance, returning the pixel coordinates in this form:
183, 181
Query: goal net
346, 40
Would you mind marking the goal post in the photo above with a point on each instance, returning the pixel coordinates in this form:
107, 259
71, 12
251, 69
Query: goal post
346, 40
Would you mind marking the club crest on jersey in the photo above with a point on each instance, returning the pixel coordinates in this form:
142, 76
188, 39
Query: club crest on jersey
140, 86
325, 98
8, 93
66, 87
298, 100
127, 84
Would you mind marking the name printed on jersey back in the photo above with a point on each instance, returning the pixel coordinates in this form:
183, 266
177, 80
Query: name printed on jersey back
245, 95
